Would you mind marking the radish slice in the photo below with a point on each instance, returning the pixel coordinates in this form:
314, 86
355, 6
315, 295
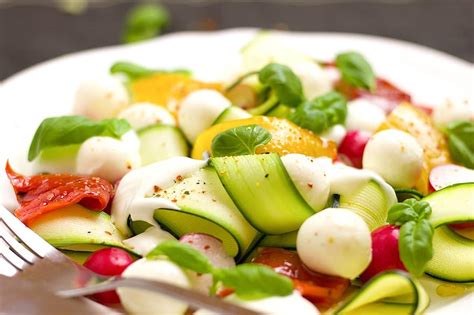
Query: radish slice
450, 174
214, 250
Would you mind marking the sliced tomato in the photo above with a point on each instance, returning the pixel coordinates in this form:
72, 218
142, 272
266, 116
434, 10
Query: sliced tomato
40, 194
322, 290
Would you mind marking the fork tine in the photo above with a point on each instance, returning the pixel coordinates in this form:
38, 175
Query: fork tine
15, 246
11, 257
6, 268
34, 242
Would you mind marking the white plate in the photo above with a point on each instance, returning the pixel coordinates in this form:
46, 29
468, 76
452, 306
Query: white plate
48, 89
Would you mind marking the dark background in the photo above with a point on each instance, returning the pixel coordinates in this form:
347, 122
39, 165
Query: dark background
34, 32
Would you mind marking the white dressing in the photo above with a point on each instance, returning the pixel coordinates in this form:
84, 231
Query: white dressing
132, 196
144, 242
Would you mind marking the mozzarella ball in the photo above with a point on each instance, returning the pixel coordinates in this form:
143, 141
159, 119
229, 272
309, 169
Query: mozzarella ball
199, 110
336, 133
396, 156
310, 179
137, 301
101, 98
364, 115
107, 157
336, 242
314, 79
142, 115
453, 110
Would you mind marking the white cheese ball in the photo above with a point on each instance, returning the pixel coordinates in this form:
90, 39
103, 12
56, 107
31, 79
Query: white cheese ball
396, 156
107, 157
199, 110
137, 301
314, 79
309, 178
336, 133
101, 98
336, 242
453, 110
364, 115
141, 115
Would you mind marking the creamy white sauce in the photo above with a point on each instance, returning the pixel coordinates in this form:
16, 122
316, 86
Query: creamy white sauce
133, 193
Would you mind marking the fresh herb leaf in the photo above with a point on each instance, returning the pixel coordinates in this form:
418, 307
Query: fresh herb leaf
284, 83
134, 71
415, 245
145, 21
240, 140
67, 130
355, 70
461, 142
321, 113
253, 281
408, 210
183, 255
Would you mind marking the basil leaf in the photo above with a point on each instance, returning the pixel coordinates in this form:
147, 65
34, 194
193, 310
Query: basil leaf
415, 245
253, 281
355, 70
283, 82
321, 113
240, 140
134, 71
408, 210
144, 22
67, 130
461, 142
183, 255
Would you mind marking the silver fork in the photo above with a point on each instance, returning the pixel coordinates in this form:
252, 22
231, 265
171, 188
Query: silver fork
27, 257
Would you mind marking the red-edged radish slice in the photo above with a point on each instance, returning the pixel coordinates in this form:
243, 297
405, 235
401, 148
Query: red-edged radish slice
450, 174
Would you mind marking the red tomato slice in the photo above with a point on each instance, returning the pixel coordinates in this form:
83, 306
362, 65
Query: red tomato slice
322, 290
39, 194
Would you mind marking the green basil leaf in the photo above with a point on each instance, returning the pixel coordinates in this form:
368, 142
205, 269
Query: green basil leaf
134, 71
416, 245
183, 255
283, 82
355, 70
253, 281
145, 21
321, 113
461, 142
408, 210
240, 140
67, 130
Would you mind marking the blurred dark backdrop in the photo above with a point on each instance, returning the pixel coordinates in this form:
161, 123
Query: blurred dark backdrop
33, 31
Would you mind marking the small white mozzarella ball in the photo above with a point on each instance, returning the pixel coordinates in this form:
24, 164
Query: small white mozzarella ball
396, 156
106, 157
336, 133
101, 98
364, 115
453, 110
142, 115
199, 110
137, 301
314, 79
335, 241
309, 178
276, 305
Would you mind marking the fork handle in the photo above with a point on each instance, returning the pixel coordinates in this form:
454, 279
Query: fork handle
193, 298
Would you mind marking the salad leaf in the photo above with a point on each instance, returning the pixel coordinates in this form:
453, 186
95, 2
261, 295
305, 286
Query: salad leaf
283, 82
240, 140
183, 255
415, 245
66, 130
254, 281
321, 113
355, 70
408, 210
145, 21
461, 142
134, 71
